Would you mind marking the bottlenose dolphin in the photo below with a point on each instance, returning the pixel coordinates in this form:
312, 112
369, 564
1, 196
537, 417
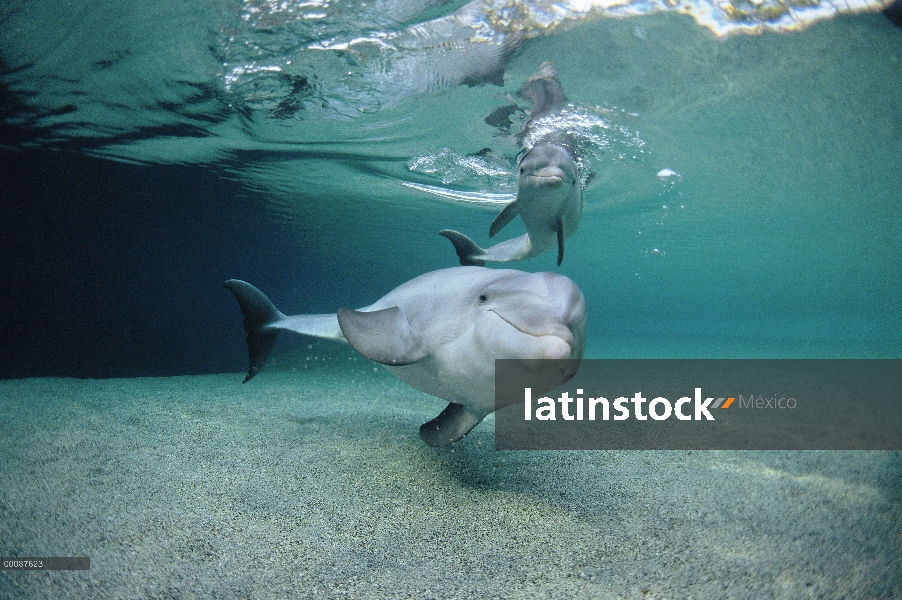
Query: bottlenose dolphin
441, 333
549, 191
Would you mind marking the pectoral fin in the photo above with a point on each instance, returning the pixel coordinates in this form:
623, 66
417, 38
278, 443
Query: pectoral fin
452, 424
504, 217
560, 242
384, 336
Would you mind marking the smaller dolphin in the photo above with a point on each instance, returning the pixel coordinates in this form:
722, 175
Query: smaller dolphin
441, 333
549, 191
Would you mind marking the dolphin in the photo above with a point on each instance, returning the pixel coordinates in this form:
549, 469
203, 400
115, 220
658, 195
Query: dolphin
441, 333
549, 196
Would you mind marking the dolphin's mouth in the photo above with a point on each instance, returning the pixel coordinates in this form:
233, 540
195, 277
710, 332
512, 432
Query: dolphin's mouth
549, 180
559, 331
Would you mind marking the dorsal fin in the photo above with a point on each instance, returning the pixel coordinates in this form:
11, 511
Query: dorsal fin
544, 92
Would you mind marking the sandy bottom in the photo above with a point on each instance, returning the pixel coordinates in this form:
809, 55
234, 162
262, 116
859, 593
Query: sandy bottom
313, 482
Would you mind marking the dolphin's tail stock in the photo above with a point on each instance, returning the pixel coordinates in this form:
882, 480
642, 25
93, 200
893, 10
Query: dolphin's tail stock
468, 251
471, 255
263, 322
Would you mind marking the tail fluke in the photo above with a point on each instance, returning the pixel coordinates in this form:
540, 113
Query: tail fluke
259, 314
467, 250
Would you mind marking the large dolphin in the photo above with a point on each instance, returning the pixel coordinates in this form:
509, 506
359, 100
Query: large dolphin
549, 191
441, 333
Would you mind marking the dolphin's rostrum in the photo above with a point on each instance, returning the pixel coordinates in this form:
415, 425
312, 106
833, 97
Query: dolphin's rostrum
441, 333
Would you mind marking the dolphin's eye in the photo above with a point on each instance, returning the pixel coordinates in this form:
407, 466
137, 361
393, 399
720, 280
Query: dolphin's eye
483, 299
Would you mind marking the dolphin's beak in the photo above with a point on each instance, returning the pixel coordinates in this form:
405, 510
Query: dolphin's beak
550, 175
537, 324
546, 179
556, 348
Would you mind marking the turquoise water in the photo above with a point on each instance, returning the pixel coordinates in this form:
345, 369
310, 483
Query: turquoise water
772, 229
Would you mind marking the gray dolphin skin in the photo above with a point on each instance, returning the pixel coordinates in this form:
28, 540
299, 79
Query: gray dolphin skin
549, 194
441, 333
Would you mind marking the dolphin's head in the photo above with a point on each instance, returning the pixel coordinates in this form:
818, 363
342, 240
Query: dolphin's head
537, 318
531, 316
473, 316
546, 166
